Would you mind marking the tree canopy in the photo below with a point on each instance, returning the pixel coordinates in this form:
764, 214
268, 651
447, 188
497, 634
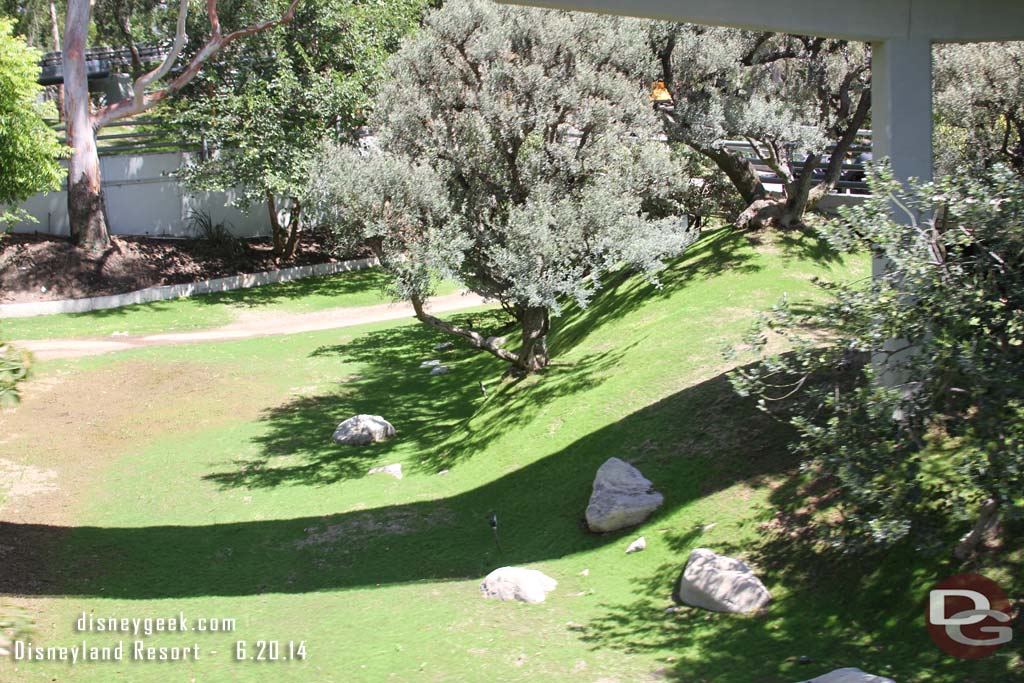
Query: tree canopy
790, 97
264, 107
29, 148
518, 153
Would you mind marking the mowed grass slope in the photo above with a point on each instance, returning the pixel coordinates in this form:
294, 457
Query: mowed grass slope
205, 482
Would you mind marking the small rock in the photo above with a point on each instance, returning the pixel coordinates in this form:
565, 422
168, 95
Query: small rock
516, 583
720, 584
585, 572
442, 473
440, 370
621, 497
637, 545
849, 675
394, 470
362, 430
430, 363
804, 659
443, 346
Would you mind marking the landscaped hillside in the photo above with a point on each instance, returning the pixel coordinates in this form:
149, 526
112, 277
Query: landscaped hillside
202, 479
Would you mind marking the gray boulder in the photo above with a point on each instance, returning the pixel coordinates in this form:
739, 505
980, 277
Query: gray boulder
443, 346
621, 497
849, 676
362, 430
516, 583
430, 363
440, 370
720, 584
393, 470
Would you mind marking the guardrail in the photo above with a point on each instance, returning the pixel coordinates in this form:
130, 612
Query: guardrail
136, 136
851, 181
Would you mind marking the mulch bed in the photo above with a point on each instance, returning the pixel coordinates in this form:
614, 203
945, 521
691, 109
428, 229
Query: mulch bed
44, 268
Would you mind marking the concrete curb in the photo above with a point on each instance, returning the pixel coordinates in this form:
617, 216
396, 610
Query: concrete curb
151, 294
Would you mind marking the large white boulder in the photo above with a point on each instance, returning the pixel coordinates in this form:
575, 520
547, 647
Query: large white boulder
849, 676
363, 429
720, 584
622, 497
516, 583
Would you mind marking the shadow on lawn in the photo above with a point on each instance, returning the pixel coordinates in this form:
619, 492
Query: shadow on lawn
690, 444
432, 414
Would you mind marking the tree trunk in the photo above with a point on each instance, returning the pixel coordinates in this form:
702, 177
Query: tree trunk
55, 34
85, 197
285, 238
740, 171
533, 355
986, 522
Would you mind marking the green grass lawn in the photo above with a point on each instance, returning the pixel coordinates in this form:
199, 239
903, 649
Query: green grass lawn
202, 479
356, 288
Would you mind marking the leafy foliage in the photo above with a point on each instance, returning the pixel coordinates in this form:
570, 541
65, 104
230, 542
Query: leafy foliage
14, 368
917, 435
29, 149
979, 96
790, 97
517, 153
267, 104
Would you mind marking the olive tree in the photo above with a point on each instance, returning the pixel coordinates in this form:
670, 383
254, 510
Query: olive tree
789, 97
979, 98
516, 154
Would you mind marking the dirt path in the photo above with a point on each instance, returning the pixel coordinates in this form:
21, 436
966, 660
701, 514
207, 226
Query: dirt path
247, 328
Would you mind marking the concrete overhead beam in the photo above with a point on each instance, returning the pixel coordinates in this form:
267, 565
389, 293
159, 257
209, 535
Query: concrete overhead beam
864, 20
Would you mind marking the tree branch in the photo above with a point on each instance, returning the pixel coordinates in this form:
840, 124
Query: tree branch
488, 344
213, 45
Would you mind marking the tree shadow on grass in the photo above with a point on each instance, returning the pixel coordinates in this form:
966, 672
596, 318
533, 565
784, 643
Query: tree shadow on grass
838, 610
690, 445
725, 249
433, 415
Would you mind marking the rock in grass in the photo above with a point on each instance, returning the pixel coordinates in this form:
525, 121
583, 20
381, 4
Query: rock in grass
394, 470
516, 583
430, 363
720, 584
637, 545
443, 346
849, 676
441, 370
621, 497
362, 430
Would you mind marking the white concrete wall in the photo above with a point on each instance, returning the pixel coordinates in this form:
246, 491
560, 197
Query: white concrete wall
143, 198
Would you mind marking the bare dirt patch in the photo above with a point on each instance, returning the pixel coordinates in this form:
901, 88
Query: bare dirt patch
369, 524
75, 424
44, 268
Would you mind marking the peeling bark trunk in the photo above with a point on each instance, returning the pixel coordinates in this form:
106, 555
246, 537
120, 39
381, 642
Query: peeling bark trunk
86, 213
55, 34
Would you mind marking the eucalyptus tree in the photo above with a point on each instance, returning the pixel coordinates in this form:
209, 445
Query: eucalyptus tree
265, 106
979, 93
517, 153
791, 98
85, 197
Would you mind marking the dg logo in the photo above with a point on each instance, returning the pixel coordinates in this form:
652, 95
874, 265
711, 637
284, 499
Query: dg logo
969, 616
